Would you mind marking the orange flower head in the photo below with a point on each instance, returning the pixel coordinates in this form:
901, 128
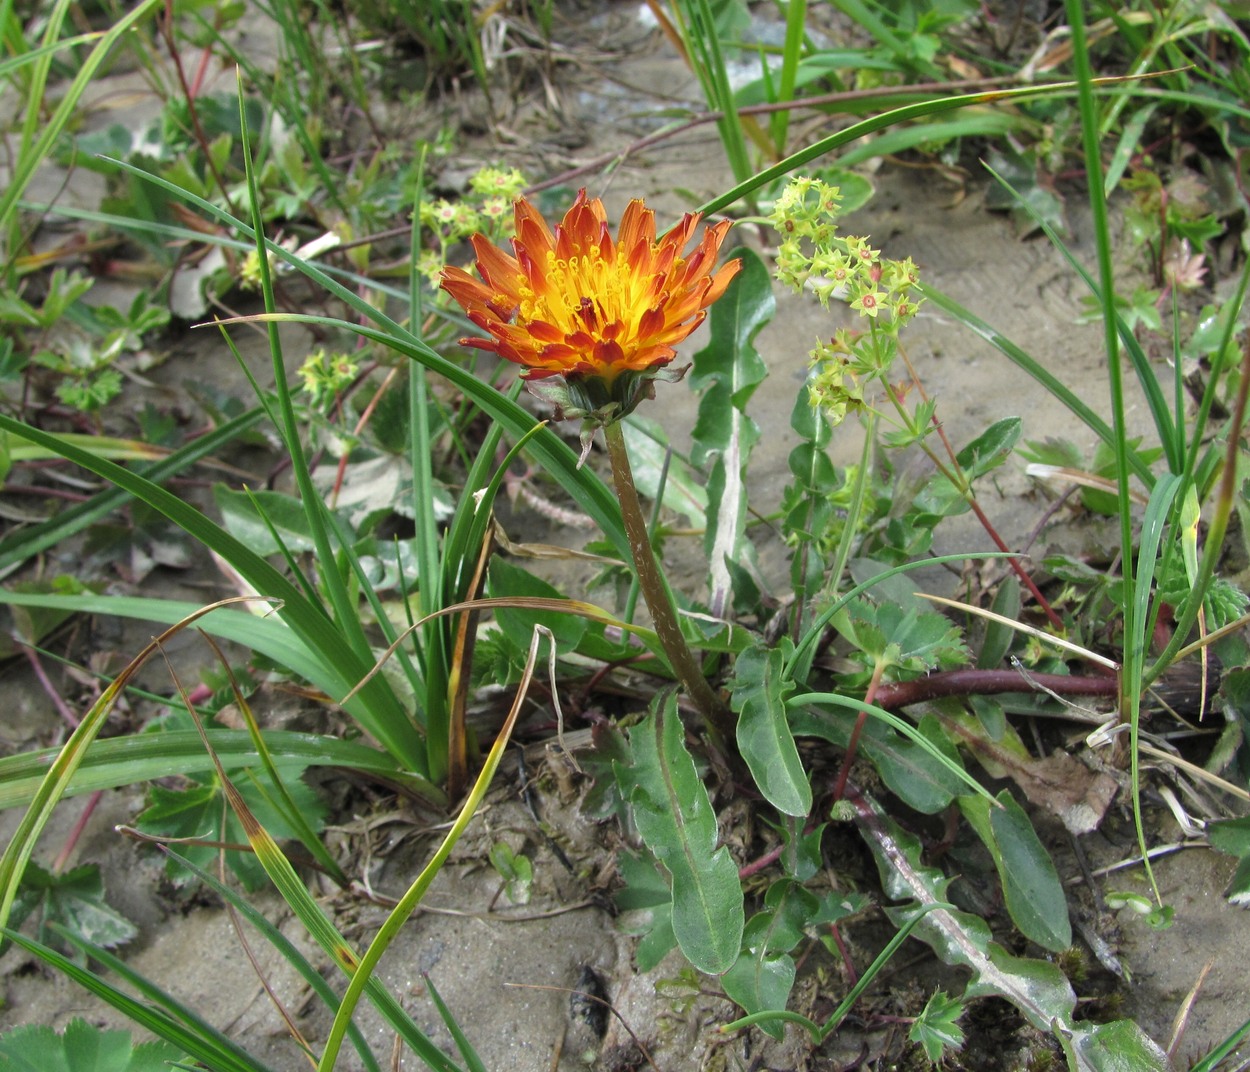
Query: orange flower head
605, 316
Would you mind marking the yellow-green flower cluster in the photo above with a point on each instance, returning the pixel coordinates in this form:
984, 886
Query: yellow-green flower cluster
487, 211
324, 374
813, 256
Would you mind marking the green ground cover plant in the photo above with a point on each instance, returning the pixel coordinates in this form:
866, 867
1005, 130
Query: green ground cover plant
906, 694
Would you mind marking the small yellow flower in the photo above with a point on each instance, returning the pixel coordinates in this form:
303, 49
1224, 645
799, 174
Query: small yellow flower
575, 303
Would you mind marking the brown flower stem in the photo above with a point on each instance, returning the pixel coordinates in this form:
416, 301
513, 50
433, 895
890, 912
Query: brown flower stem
659, 600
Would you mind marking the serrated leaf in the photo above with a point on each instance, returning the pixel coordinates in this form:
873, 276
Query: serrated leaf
1032, 891
1037, 988
728, 370
906, 639
763, 733
675, 819
82, 1047
75, 900
936, 1029
198, 813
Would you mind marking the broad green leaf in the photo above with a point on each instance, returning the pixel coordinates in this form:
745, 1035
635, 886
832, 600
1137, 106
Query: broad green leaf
990, 449
1032, 891
253, 518
507, 580
1036, 988
646, 906
728, 370
82, 1047
999, 637
1120, 1046
1232, 836
764, 736
675, 818
684, 492
762, 977
907, 767
761, 982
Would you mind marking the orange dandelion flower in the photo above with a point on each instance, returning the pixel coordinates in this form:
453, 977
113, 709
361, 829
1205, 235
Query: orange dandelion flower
576, 304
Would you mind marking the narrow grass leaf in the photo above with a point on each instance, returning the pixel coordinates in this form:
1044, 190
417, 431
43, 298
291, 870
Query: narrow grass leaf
196, 1039
363, 976
22, 543
118, 761
559, 460
375, 706
288, 950
61, 771
911, 766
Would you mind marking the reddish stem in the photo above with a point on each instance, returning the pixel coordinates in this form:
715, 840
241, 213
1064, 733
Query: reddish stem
852, 745
989, 682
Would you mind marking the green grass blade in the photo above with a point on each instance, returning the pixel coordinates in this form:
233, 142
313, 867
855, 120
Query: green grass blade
15, 63
791, 54
118, 761
60, 772
345, 613
556, 457
163, 1000
362, 976
375, 705
1053, 385
288, 950
323, 931
208, 1046
895, 116
471, 1059
21, 544
33, 154
559, 460
1168, 427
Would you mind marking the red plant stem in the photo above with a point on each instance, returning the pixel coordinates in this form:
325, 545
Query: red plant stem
852, 976
62, 708
852, 745
71, 842
989, 682
971, 499
197, 128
